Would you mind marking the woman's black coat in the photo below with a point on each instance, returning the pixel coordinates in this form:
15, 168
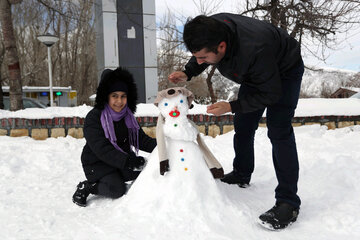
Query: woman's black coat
99, 156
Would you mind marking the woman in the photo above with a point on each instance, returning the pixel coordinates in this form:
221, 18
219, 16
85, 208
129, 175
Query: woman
113, 138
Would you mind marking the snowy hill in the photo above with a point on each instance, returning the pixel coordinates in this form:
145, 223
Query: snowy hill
324, 79
316, 83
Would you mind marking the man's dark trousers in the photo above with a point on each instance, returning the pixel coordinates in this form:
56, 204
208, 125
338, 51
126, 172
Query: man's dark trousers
280, 132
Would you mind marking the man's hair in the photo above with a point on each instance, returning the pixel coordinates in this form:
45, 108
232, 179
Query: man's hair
204, 32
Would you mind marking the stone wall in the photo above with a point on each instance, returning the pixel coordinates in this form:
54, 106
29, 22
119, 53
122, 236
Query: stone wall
41, 129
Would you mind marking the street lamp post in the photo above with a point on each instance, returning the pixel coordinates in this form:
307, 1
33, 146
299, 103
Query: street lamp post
49, 40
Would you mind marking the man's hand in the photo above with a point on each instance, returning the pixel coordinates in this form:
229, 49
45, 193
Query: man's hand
219, 108
177, 77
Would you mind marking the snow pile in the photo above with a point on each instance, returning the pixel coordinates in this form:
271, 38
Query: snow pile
306, 107
328, 107
38, 179
50, 112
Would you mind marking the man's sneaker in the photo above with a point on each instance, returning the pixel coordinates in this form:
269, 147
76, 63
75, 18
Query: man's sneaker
235, 177
81, 193
279, 217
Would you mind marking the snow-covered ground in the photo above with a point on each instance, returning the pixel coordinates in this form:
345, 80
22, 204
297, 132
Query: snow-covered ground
38, 179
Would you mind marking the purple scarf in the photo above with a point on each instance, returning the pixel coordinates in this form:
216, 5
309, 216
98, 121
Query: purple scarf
108, 116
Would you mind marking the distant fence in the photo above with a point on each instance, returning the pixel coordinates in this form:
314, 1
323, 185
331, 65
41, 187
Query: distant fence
41, 129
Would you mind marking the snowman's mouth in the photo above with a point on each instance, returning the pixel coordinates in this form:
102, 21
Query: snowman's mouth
174, 113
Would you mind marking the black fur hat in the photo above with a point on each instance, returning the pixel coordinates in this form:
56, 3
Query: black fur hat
111, 78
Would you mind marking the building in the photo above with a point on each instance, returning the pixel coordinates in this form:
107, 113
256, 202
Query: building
345, 92
63, 96
126, 37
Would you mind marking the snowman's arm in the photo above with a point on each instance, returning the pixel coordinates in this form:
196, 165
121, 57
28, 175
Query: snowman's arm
211, 161
213, 164
161, 145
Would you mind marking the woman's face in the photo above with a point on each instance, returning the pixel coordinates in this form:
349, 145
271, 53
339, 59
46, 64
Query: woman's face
117, 100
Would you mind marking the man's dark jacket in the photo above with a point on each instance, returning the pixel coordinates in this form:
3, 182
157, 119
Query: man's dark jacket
258, 54
99, 156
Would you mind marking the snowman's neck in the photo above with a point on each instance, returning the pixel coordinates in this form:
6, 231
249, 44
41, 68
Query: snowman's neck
180, 129
177, 119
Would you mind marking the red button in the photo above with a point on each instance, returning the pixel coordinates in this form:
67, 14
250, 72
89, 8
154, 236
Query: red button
181, 150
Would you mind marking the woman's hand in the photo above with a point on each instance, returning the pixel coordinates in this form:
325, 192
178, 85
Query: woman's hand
135, 163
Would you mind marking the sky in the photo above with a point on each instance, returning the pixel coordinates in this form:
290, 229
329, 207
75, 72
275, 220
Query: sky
347, 55
38, 179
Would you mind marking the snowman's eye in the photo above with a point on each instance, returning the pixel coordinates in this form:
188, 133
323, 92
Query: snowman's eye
165, 104
181, 101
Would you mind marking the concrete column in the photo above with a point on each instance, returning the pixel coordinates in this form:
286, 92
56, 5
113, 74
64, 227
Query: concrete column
126, 37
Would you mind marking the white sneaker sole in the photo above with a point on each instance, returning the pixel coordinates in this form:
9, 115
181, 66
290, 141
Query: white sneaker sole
268, 226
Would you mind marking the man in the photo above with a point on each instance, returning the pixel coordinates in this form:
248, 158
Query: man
267, 63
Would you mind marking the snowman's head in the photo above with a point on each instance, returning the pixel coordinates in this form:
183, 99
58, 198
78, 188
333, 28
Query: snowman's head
174, 102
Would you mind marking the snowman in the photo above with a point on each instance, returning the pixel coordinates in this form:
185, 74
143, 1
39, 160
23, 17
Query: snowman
187, 166
185, 197
180, 146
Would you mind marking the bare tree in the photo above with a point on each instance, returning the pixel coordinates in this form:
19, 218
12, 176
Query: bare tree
2, 54
172, 55
319, 21
78, 67
354, 81
28, 18
73, 57
3, 73
210, 85
207, 7
11, 54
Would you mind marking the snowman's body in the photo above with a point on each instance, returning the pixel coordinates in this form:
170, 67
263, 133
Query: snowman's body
180, 135
185, 157
183, 185
188, 170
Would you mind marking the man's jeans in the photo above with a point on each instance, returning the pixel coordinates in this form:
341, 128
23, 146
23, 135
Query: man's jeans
281, 134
